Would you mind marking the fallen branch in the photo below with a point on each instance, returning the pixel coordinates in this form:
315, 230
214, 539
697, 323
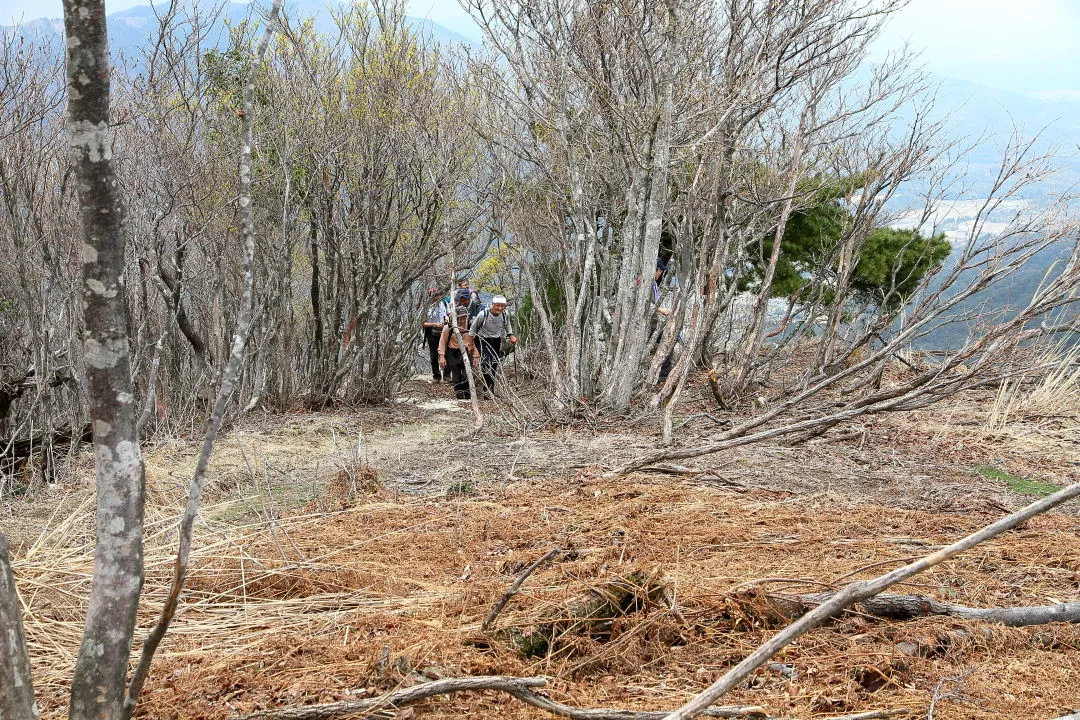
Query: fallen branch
873, 715
857, 592
557, 708
905, 607
26, 447
513, 589
516, 687
673, 469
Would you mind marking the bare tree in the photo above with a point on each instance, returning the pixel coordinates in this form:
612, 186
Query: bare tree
100, 686
380, 181
657, 139
100, 678
39, 400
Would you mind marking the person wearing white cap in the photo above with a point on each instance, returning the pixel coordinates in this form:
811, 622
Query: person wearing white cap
489, 327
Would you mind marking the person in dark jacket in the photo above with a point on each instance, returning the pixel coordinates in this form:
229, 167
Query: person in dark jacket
475, 304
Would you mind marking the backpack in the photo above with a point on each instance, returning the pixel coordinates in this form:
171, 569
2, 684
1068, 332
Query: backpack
475, 308
505, 348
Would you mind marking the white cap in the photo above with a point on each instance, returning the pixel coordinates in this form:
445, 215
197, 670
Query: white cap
498, 300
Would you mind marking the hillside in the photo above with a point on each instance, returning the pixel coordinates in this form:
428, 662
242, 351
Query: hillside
669, 454
300, 595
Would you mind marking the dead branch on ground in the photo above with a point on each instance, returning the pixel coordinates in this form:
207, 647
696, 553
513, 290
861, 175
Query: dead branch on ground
906, 607
513, 589
516, 687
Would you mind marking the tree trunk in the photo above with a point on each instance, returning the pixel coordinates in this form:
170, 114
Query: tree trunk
623, 373
16, 686
99, 683
316, 304
175, 286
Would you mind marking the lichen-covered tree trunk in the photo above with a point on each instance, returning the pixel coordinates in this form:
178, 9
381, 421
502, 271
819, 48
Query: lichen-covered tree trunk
16, 687
99, 683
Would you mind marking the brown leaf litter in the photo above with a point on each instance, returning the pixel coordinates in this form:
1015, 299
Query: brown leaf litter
322, 606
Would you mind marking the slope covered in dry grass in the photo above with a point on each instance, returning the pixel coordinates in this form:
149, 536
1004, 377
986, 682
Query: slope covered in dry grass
298, 595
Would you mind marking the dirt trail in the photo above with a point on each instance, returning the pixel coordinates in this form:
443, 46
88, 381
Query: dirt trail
941, 460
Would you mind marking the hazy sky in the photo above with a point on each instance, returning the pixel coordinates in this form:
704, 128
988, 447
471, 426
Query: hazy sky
1018, 45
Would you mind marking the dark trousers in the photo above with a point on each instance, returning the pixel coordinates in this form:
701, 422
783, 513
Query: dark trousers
489, 359
455, 365
431, 337
665, 368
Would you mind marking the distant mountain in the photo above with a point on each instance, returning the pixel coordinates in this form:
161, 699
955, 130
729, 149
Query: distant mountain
132, 29
1056, 120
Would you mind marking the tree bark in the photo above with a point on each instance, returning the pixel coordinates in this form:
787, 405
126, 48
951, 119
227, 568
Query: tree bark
99, 682
16, 685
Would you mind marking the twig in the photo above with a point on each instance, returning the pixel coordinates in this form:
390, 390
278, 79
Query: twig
873, 715
397, 698
557, 708
513, 589
857, 592
673, 469
751, 584
516, 687
954, 694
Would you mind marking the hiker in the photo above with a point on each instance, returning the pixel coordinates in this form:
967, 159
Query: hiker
451, 359
663, 313
475, 305
489, 328
433, 323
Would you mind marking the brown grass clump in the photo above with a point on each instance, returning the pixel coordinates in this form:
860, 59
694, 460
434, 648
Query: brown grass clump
327, 605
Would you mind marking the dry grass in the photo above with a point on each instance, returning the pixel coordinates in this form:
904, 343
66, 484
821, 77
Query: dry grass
1054, 395
298, 596
315, 606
